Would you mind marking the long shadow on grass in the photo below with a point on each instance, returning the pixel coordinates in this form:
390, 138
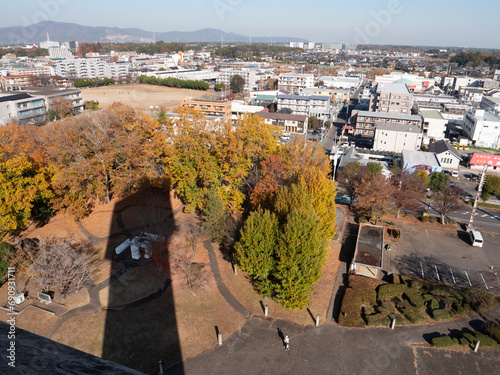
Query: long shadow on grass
141, 323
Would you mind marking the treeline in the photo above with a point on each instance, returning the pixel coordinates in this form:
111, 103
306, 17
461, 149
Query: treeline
174, 82
244, 50
22, 52
85, 48
147, 48
476, 59
95, 82
224, 174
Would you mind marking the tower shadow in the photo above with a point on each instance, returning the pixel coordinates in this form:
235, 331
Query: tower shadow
141, 324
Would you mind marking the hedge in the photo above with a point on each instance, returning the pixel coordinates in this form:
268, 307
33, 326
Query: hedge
440, 314
444, 341
175, 82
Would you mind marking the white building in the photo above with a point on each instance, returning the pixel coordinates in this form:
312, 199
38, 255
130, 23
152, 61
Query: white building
91, 68
312, 105
294, 82
491, 104
397, 137
414, 82
22, 108
434, 125
249, 75
483, 128
448, 156
340, 82
60, 53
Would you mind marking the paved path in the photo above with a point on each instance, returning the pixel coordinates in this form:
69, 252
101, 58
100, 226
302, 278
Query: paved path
258, 349
223, 290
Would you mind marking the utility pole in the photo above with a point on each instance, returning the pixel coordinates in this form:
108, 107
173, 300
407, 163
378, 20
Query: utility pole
478, 195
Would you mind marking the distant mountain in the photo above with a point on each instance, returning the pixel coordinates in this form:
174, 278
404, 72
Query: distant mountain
63, 32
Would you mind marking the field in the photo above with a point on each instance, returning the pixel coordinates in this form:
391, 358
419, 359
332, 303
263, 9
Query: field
141, 96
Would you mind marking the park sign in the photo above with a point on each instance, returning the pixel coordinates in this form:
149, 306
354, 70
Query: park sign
485, 159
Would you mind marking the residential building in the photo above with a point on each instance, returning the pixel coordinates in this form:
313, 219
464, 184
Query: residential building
49, 93
391, 98
414, 82
448, 156
411, 161
483, 128
22, 108
82, 68
249, 75
292, 83
396, 137
363, 158
61, 53
311, 105
434, 125
341, 82
212, 108
496, 76
433, 101
295, 124
239, 108
340, 95
364, 122
16, 82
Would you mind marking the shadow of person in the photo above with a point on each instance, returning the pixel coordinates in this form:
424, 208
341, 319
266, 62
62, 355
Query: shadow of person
140, 319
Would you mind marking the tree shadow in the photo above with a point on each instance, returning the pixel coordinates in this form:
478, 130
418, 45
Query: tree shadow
464, 236
141, 324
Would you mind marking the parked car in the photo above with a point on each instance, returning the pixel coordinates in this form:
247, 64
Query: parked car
454, 174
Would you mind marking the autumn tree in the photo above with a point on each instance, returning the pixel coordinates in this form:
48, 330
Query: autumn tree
447, 200
60, 107
408, 189
266, 190
237, 83
349, 178
193, 274
374, 193
256, 250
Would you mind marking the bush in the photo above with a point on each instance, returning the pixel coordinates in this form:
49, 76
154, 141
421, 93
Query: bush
414, 297
440, 314
362, 220
443, 341
485, 340
377, 320
6, 251
495, 333
463, 341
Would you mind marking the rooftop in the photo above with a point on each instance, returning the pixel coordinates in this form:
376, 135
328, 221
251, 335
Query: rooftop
393, 88
443, 146
10, 97
398, 127
431, 113
304, 97
282, 116
394, 116
369, 245
420, 158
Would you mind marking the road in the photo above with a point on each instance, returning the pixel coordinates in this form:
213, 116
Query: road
486, 219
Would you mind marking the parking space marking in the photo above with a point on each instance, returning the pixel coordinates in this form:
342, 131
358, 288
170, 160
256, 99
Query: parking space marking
484, 281
453, 276
468, 278
437, 273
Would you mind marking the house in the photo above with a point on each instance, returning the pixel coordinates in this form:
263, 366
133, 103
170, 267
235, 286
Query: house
448, 156
396, 137
411, 161
295, 124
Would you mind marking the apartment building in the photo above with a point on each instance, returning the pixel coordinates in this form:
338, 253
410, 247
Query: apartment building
91, 68
340, 82
340, 95
311, 105
414, 82
483, 128
249, 75
50, 93
295, 124
22, 108
491, 104
292, 83
364, 122
434, 125
60, 53
212, 108
396, 138
16, 82
391, 98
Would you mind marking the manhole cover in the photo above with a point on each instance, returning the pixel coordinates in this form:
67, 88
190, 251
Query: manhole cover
464, 257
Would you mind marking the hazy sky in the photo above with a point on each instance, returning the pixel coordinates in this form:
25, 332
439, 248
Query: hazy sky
424, 22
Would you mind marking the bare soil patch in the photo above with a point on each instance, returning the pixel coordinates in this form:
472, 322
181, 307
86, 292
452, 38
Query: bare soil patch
141, 96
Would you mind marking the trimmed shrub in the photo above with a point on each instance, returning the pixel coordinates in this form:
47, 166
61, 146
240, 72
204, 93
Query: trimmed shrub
485, 339
414, 297
463, 341
443, 341
377, 320
440, 314
389, 290
495, 333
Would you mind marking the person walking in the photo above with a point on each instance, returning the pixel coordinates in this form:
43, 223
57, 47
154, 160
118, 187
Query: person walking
287, 343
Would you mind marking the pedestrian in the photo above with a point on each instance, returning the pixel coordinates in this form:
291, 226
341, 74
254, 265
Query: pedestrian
287, 343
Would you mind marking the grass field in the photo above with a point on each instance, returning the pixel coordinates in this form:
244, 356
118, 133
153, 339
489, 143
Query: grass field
141, 96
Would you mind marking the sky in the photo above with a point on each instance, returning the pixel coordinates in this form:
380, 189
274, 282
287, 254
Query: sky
457, 23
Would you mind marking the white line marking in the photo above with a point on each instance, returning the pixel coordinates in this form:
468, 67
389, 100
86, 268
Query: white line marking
453, 276
484, 281
437, 273
422, 268
468, 278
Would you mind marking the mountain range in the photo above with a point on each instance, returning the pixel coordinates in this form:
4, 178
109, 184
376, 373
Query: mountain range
64, 32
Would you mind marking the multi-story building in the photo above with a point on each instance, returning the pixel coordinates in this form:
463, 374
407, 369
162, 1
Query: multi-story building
364, 122
414, 82
61, 53
483, 128
491, 104
340, 95
212, 108
22, 108
312, 105
294, 82
340, 82
295, 124
391, 98
49, 94
396, 137
249, 75
16, 82
434, 125
82, 68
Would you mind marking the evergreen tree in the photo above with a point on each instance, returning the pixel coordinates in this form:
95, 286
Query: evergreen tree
214, 216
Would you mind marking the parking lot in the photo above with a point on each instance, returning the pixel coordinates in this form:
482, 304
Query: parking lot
447, 257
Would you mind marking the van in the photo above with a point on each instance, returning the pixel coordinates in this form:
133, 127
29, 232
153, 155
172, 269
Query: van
476, 239
454, 174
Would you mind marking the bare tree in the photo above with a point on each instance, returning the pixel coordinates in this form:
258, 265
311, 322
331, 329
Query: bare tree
194, 274
57, 264
408, 190
447, 200
192, 232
